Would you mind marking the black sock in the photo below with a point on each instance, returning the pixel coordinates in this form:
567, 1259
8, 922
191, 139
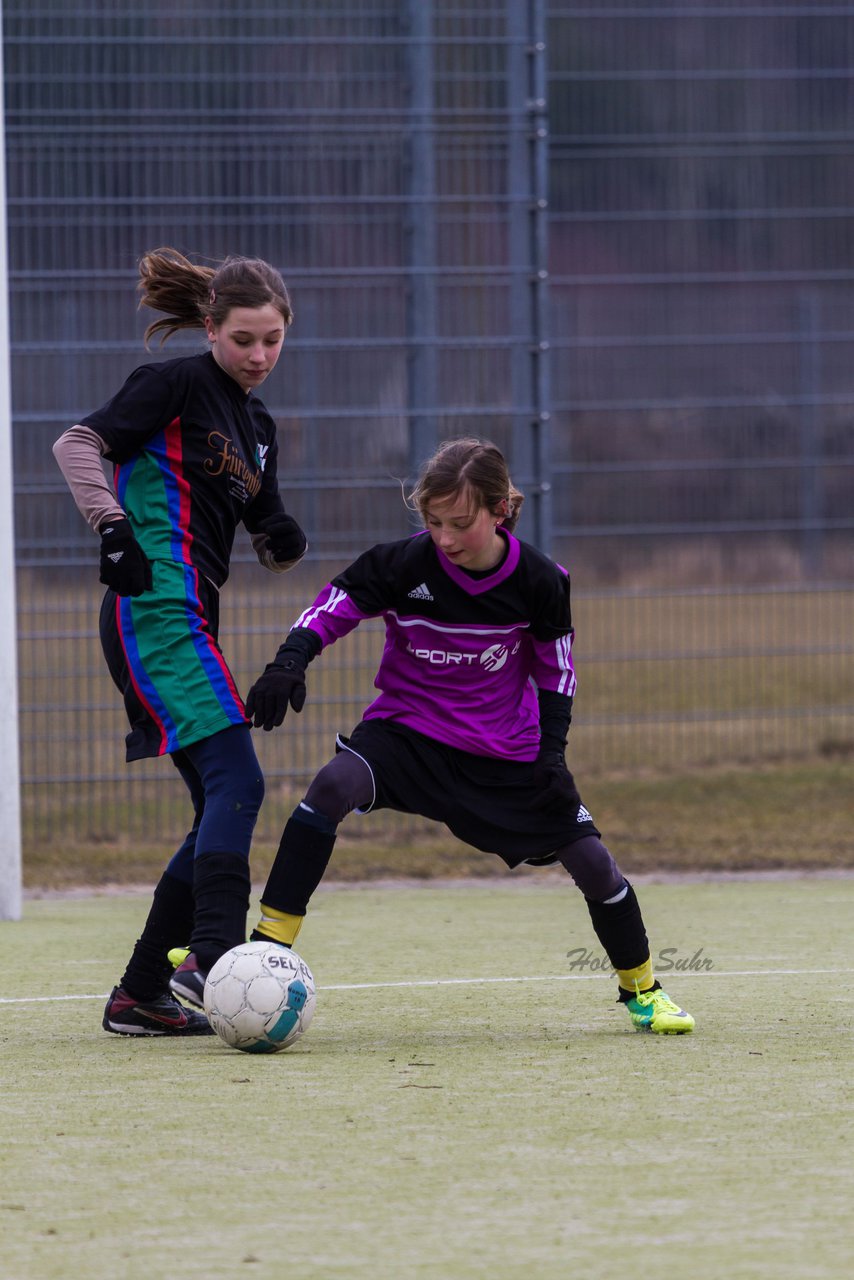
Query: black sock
221, 890
169, 924
625, 996
304, 852
619, 927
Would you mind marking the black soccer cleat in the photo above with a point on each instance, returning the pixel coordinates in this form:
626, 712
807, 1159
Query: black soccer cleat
164, 1016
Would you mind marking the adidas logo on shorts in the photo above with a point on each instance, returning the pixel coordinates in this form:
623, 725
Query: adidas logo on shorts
583, 814
421, 593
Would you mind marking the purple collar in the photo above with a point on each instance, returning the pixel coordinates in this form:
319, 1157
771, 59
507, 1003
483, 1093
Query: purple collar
476, 586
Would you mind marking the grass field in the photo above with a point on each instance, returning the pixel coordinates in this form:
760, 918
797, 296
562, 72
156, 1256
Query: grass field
466, 1103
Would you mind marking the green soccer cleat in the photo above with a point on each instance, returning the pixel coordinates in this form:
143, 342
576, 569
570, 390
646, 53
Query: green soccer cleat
177, 956
655, 1011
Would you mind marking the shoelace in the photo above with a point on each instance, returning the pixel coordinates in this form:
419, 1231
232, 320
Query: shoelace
657, 997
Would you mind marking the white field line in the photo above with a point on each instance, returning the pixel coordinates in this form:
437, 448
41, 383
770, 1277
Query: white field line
475, 982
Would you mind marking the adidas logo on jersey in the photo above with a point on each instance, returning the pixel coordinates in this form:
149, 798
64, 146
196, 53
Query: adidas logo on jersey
421, 593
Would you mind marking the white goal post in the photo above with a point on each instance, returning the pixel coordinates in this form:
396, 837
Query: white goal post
10, 792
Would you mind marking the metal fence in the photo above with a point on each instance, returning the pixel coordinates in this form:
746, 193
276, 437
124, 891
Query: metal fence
617, 239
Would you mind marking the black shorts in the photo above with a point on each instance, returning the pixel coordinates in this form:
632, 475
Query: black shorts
490, 804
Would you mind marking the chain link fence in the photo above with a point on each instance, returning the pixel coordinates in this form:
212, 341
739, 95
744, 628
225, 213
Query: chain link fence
614, 238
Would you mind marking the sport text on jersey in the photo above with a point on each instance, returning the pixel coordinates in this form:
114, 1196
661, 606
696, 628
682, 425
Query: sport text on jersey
491, 659
226, 458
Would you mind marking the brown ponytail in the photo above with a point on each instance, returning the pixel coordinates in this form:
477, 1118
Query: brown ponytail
189, 293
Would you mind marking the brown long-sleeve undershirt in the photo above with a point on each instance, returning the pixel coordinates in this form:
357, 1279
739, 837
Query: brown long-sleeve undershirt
79, 452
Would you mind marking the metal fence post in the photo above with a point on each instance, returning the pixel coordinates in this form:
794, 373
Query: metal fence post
538, 111
421, 225
808, 432
527, 178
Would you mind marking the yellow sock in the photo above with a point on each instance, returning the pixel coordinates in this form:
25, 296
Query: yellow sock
642, 976
278, 925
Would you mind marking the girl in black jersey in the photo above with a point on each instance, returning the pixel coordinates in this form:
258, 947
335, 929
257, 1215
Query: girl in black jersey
469, 727
194, 454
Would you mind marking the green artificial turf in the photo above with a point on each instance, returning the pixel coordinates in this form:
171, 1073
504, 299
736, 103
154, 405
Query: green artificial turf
468, 1102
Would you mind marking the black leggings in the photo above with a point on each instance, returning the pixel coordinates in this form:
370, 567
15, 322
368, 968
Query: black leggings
346, 783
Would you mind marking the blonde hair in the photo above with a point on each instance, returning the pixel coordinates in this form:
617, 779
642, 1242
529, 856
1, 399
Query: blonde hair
475, 468
189, 293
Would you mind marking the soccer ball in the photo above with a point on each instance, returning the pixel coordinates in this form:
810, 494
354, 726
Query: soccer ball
260, 997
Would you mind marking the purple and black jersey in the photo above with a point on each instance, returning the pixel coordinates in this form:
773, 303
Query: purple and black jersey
194, 455
464, 655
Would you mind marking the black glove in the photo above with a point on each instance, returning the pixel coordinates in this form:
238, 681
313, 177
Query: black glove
285, 539
125, 567
554, 783
281, 684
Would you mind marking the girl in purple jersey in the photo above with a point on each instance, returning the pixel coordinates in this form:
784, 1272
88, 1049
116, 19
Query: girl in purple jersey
469, 727
194, 454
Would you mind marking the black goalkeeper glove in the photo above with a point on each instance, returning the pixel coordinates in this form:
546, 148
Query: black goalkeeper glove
554, 783
125, 568
282, 684
285, 539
